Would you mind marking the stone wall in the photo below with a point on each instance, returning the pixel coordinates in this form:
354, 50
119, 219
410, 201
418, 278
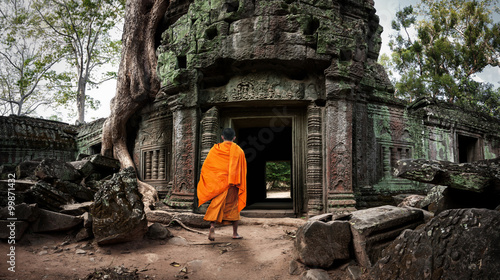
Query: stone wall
89, 137
426, 129
26, 138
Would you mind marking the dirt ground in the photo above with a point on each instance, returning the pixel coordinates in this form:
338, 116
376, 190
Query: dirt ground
265, 252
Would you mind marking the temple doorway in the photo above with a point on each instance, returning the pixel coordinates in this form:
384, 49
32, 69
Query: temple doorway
268, 147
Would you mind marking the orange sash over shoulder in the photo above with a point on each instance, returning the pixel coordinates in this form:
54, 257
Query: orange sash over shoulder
225, 165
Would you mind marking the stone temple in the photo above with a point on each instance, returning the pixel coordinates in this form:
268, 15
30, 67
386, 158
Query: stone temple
299, 82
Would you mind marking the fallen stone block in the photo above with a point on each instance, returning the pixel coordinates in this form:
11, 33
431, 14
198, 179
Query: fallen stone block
51, 169
315, 274
76, 209
47, 197
456, 244
102, 162
85, 167
20, 189
158, 231
22, 212
478, 176
26, 169
374, 229
84, 234
76, 191
118, 212
12, 230
411, 201
52, 221
319, 244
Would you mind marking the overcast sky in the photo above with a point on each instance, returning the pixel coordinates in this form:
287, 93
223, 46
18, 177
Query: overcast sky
386, 9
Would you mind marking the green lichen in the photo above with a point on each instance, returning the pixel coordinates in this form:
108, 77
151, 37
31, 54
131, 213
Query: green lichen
470, 182
488, 154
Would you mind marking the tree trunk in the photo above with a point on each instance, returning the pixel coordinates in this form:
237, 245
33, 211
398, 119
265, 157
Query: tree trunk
137, 81
80, 100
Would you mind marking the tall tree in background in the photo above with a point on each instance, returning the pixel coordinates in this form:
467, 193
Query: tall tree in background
26, 59
82, 31
439, 55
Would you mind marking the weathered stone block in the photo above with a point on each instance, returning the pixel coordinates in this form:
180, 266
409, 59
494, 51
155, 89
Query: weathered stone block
85, 167
118, 212
49, 221
84, 234
26, 169
456, 244
12, 229
22, 212
47, 197
478, 177
374, 229
20, 188
158, 231
51, 169
76, 191
411, 201
315, 274
102, 162
76, 209
319, 244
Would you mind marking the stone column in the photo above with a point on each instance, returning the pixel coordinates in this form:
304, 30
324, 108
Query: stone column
338, 124
314, 177
210, 133
185, 128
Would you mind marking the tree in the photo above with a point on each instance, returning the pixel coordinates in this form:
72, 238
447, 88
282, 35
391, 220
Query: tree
439, 54
82, 30
137, 81
26, 78
278, 173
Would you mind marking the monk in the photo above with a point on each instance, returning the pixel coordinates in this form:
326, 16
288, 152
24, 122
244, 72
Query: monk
224, 181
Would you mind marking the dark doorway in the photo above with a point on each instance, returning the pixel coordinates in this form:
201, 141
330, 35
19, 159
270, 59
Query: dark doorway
467, 149
264, 145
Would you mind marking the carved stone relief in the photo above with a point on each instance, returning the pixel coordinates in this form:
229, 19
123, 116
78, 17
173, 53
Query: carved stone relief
314, 177
209, 131
260, 86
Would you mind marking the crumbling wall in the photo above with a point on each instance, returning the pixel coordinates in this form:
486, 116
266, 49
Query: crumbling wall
25, 138
89, 137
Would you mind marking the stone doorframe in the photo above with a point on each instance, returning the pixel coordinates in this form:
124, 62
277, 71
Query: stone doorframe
306, 142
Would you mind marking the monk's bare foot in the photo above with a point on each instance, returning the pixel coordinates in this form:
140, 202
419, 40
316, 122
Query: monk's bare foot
211, 234
237, 236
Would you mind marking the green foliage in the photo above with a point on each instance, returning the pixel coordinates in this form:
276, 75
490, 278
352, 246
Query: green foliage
38, 36
439, 54
26, 59
278, 172
82, 32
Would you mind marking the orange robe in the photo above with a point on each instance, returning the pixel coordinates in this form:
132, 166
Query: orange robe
224, 181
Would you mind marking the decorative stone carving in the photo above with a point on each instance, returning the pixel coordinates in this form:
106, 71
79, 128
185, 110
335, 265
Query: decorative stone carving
338, 142
184, 151
314, 177
153, 147
209, 131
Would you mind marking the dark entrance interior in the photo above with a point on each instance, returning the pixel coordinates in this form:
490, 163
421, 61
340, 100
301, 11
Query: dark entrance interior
264, 145
467, 149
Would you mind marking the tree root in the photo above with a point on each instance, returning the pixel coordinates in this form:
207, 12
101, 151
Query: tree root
185, 227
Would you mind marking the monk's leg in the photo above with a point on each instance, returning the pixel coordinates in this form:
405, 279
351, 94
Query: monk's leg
235, 230
211, 234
